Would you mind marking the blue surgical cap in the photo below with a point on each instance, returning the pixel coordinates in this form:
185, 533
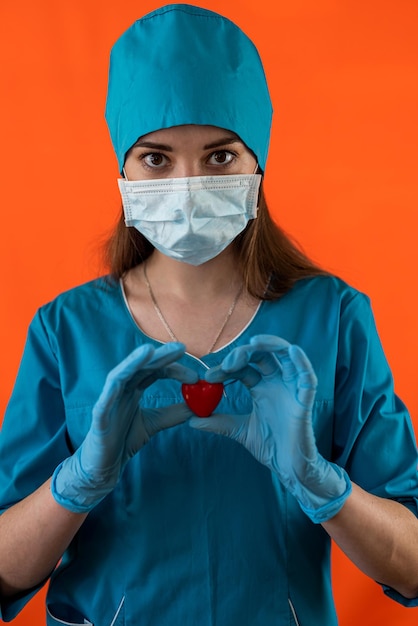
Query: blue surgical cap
182, 64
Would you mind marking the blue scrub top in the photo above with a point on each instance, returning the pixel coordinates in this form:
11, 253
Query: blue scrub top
197, 531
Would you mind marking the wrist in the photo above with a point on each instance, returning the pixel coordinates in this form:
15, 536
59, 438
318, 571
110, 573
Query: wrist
324, 500
74, 490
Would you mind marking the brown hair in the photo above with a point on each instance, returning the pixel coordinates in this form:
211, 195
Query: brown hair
269, 260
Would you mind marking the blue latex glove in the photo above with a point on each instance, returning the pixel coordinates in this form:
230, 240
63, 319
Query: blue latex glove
119, 426
278, 432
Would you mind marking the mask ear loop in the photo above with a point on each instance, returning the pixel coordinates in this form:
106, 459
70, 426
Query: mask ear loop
259, 191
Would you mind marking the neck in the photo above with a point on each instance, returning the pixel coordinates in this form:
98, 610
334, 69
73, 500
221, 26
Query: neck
194, 283
203, 307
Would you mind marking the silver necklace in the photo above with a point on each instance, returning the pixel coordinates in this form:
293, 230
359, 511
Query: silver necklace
167, 325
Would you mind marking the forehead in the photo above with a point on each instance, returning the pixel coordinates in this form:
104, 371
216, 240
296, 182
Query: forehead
190, 134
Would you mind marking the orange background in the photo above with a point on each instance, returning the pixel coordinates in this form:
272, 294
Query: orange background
342, 175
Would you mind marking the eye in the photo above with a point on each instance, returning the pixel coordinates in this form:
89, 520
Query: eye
222, 157
154, 159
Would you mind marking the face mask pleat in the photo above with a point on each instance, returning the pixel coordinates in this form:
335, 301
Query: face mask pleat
191, 219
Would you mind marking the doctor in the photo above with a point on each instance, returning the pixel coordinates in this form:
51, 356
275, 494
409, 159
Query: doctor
156, 516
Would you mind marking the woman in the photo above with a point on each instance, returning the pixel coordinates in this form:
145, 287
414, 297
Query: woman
157, 516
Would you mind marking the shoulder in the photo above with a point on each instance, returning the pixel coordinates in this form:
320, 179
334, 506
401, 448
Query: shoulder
92, 293
324, 306
314, 313
327, 291
82, 303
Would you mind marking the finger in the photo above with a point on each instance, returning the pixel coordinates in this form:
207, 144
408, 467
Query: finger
262, 351
289, 370
166, 354
247, 375
307, 380
133, 369
269, 343
245, 363
295, 364
269, 352
155, 367
303, 366
219, 424
266, 362
237, 359
241, 357
130, 365
118, 377
217, 375
165, 417
180, 372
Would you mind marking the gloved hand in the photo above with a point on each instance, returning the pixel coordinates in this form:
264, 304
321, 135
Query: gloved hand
120, 427
278, 432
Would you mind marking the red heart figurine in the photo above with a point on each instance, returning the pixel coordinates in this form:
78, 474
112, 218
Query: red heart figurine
202, 397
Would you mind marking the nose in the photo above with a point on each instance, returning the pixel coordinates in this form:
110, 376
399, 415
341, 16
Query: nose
186, 168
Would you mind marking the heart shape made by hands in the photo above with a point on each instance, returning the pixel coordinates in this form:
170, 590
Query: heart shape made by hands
202, 397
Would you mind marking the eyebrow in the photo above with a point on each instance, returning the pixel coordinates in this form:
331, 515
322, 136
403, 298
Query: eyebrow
222, 141
152, 145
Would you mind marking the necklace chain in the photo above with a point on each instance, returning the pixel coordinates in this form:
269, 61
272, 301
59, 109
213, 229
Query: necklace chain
167, 326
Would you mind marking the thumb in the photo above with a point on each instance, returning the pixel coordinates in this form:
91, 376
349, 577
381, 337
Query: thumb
228, 425
167, 417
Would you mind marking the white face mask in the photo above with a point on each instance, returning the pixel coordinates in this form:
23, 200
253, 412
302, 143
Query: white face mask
191, 219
